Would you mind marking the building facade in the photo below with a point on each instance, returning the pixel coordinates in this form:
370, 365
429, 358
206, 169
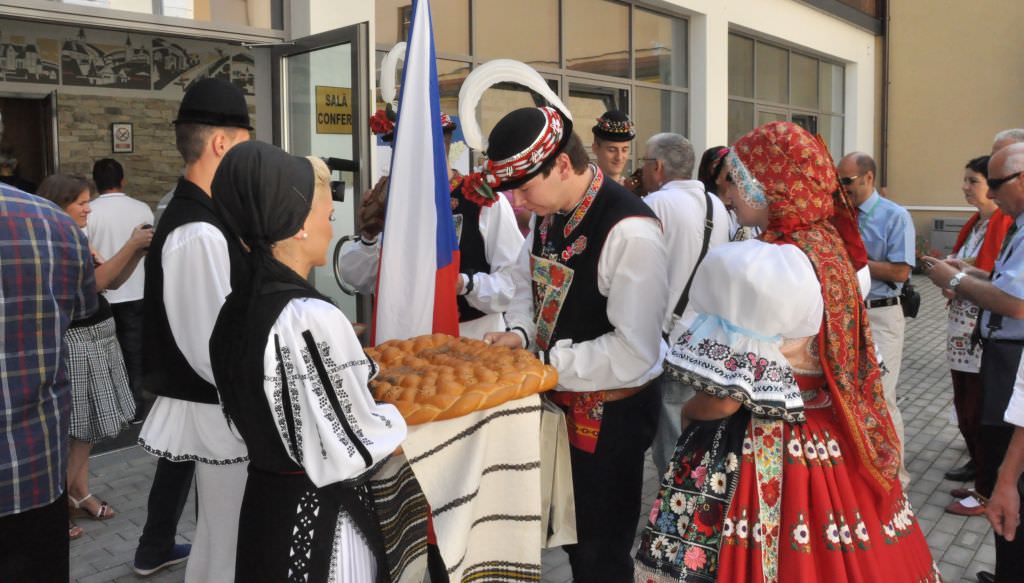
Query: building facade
952, 84
85, 79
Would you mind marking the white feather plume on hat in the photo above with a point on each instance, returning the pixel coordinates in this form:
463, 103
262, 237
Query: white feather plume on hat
489, 74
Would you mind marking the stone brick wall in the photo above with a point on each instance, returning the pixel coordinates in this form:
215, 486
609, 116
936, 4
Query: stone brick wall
84, 136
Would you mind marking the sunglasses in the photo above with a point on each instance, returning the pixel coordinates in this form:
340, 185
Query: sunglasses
995, 183
848, 180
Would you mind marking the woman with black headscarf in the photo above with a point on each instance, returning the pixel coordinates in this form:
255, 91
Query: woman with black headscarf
292, 378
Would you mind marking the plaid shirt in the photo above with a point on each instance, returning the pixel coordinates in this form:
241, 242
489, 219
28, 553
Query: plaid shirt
46, 280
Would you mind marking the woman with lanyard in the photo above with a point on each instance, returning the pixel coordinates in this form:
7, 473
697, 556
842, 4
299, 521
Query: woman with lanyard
787, 468
978, 244
292, 379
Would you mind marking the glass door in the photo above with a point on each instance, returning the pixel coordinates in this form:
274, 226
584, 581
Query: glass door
588, 101
321, 104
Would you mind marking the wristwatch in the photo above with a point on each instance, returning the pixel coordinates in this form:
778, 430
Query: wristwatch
956, 280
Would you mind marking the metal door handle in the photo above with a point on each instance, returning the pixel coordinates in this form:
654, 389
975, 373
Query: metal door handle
347, 289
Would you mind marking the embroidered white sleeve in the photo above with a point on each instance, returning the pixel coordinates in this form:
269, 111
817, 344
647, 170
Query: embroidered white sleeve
631, 274
493, 292
325, 415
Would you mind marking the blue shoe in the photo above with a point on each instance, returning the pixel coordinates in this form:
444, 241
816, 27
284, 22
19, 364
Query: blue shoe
177, 555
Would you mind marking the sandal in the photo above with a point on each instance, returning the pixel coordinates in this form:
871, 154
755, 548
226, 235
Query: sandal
74, 531
104, 512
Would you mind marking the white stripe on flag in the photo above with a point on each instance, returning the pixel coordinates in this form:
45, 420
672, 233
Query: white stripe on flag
408, 266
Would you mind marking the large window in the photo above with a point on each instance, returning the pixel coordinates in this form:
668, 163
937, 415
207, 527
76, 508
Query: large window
769, 82
596, 54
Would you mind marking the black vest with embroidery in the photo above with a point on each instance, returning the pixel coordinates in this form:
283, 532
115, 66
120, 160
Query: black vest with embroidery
472, 256
566, 250
168, 373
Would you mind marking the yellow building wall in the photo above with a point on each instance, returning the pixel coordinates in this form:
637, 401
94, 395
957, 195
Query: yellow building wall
955, 80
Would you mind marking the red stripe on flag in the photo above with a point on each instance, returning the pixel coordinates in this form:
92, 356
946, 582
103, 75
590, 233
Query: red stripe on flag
446, 309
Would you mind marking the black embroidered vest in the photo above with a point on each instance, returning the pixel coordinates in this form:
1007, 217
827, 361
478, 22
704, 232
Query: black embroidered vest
168, 373
473, 258
565, 254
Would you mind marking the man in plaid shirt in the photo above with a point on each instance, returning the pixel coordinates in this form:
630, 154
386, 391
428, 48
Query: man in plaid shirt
46, 280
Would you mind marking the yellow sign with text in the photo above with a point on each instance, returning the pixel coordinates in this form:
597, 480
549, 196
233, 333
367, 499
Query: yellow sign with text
333, 110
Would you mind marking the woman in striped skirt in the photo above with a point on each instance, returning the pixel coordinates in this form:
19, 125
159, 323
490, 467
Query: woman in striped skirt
101, 399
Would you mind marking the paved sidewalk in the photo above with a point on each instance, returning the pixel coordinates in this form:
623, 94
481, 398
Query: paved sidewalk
961, 546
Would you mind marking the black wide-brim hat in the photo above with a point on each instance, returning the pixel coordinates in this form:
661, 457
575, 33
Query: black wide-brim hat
214, 102
614, 126
524, 143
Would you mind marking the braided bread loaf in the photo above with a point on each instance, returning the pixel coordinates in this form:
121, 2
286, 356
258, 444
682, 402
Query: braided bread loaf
435, 377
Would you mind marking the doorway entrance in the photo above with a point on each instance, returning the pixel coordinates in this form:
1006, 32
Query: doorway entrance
27, 145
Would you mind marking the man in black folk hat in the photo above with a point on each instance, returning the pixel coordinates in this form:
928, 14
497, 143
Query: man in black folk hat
188, 275
590, 298
613, 136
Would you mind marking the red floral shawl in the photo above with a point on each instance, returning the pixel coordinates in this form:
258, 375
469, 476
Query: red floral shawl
998, 225
808, 210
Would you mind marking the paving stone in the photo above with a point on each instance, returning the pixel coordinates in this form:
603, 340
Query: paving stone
950, 572
958, 555
107, 574
951, 523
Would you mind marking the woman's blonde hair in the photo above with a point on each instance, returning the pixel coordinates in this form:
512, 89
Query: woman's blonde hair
322, 174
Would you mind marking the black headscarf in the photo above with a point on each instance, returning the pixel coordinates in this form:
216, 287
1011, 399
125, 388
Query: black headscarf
263, 195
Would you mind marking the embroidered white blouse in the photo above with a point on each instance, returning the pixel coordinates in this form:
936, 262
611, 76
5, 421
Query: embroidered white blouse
748, 297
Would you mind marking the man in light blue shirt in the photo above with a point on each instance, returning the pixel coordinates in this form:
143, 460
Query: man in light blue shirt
1001, 298
888, 235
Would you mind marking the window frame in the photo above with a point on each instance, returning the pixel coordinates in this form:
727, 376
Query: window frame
821, 113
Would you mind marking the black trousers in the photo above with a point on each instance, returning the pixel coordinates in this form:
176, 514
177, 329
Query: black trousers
35, 544
608, 489
1010, 555
993, 441
171, 484
128, 320
999, 363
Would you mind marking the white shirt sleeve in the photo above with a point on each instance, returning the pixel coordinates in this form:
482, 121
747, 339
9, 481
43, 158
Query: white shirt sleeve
493, 292
1014, 414
359, 262
631, 274
520, 312
864, 282
337, 431
197, 279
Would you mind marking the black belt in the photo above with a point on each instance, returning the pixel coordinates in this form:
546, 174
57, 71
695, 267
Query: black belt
884, 302
1002, 341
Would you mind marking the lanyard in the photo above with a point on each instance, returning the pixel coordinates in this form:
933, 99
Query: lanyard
864, 216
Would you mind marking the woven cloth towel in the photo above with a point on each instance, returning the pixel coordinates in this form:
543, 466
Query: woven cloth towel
481, 476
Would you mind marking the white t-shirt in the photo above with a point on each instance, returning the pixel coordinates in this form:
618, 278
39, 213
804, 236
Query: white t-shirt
111, 221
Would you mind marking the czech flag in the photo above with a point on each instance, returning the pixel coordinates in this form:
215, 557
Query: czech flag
419, 263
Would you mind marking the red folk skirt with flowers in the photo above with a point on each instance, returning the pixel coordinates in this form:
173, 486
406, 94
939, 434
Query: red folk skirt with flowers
798, 510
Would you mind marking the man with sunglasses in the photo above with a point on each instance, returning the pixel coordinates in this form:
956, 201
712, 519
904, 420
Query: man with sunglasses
1001, 328
888, 235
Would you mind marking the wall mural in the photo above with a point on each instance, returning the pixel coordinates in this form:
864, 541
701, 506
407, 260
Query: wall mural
69, 56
